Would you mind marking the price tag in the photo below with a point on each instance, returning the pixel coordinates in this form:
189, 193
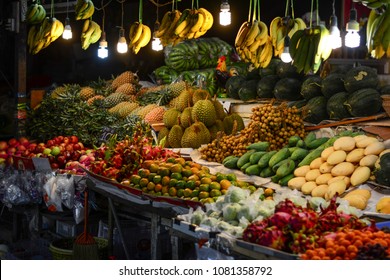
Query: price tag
106, 134
41, 164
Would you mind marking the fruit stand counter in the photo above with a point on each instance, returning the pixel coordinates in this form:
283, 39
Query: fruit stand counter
159, 214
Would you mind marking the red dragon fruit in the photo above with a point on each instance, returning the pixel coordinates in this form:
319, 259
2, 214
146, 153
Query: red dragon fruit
253, 231
273, 237
280, 219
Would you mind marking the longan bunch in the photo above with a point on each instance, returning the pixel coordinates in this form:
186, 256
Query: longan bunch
274, 124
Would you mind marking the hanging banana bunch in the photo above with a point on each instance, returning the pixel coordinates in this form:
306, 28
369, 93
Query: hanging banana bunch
280, 27
84, 9
378, 32
373, 4
139, 34
90, 33
252, 42
310, 47
41, 35
35, 13
177, 26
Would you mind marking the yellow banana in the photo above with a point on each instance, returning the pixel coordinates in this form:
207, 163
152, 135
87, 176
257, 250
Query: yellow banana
323, 43
182, 22
199, 34
300, 22
273, 29
96, 34
263, 34
80, 8
135, 33
266, 51
241, 34
164, 26
208, 19
253, 32
145, 37
279, 46
86, 24
198, 22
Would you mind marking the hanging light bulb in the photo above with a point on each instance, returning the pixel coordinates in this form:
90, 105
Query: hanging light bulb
334, 31
156, 42
121, 47
67, 34
352, 38
285, 56
102, 51
225, 17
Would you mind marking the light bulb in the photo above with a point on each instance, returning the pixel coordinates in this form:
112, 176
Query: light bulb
67, 34
225, 17
285, 56
102, 51
121, 47
156, 44
352, 39
334, 33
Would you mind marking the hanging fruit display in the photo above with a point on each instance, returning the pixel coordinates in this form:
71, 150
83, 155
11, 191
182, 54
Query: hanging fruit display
253, 44
35, 13
378, 32
310, 47
282, 27
84, 9
177, 26
139, 34
90, 34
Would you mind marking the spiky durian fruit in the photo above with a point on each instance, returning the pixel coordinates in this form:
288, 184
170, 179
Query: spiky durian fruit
195, 135
176, 88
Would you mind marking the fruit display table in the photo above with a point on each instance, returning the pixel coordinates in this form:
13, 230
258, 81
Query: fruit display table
159, 214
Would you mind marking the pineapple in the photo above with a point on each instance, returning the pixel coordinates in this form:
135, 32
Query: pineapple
87, 92
127, 88
125, 77
95, 100
66, 91
146, 109
127, 108
115, 98
155, 115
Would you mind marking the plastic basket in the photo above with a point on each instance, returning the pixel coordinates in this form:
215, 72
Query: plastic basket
386, 103
62, 249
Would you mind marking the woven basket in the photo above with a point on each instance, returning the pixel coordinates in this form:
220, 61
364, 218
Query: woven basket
62, 249
386, 103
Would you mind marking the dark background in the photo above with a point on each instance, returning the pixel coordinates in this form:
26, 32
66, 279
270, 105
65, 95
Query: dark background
65, 61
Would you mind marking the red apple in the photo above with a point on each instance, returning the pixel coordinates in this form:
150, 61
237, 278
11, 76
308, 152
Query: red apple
3, 145
3, 154
13, 142
65, 140
11, 150
76, 147
21, 148
60, 138
61, 160
54, 165
26, 153
32, 147
50, 143
69, 147
73, 139
40, 148
24, 141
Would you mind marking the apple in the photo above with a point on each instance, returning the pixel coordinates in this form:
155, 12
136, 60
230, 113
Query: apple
3, 145
46, 151
50, 143
11, 150
65, 140
54, 165
3, 154
51, 158
21, 148
13, 142
69, 147
76, 147
26, 153
55, 151
32, 147
40, 147
60, 138
61, 160
24, 141
73, 139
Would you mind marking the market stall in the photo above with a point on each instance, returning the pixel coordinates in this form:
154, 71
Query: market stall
264, 148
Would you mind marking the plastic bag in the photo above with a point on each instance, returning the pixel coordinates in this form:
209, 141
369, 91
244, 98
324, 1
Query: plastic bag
66, 189
51, 196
